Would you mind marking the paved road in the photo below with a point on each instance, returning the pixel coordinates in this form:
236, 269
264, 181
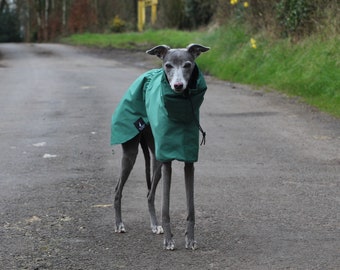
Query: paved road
267, 183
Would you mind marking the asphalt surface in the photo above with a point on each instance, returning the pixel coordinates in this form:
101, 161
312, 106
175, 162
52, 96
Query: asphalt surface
266, 189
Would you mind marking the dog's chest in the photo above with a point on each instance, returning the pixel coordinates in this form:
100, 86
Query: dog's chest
173, 118
150, 100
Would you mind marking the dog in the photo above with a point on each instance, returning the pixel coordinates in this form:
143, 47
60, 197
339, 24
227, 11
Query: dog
160, 112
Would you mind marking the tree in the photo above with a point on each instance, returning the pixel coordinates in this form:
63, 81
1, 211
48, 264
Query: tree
82, 16
9, 24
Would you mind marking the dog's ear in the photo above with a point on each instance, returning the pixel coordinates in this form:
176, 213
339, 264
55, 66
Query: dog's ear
197, 49
160, 51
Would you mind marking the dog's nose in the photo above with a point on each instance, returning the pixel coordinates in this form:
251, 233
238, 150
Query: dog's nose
178, 86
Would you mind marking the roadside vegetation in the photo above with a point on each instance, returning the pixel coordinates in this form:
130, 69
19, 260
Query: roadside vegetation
309, 69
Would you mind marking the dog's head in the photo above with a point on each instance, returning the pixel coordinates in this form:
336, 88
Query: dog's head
178, 64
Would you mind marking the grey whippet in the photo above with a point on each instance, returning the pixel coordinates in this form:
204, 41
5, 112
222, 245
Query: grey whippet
178, 65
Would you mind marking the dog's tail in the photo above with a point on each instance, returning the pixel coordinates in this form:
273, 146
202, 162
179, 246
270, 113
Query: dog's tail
146, 153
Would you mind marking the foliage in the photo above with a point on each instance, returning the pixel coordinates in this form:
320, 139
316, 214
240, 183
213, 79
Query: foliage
308, 69
43, 20
82, 16
283, 18
117, 25
9, 26
197, 13
172, 14
239, 9
186, 14
294, 16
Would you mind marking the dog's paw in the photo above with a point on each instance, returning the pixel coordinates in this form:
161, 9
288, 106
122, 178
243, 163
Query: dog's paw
120, 228
157, 229
190, 244
169, 244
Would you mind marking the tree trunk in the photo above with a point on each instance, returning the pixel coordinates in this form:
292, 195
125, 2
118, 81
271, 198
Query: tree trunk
64, 15
46, 21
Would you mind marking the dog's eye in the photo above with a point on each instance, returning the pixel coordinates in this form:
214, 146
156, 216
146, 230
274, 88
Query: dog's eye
168, 65
187, 65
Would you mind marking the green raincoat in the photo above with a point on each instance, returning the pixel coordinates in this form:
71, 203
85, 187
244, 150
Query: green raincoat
173, 117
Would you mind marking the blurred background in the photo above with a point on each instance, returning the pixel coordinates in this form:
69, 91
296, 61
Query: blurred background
46, 20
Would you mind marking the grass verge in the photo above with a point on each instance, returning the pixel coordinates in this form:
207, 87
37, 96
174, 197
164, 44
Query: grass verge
309, 69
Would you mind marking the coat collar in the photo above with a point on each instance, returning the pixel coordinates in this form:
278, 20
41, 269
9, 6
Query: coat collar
193, 84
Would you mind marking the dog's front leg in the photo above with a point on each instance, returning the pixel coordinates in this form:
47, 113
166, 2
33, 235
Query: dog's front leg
190, 242
169, 243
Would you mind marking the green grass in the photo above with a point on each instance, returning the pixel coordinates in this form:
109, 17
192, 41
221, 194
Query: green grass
309, 69
134, 40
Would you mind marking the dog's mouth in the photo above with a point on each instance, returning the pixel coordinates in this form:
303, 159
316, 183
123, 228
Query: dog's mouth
178, 91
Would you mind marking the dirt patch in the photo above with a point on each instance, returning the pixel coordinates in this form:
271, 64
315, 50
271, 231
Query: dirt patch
128, 57
44, 52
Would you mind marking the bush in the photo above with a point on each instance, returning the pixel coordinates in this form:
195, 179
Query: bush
186, 14
294, 17
117, 25
283, 18
198, 13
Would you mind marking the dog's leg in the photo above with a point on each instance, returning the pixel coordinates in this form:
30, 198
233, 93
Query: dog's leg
155, 227
130, 151
145, 148
156, 176
190, 242
169, 243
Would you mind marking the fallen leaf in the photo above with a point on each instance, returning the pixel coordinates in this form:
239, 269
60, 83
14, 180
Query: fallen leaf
102, 205
33, 219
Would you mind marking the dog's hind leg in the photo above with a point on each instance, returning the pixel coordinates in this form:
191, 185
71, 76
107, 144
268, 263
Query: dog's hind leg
169, 243
190, 242
130, 151
148, 140
157, 167
145, 148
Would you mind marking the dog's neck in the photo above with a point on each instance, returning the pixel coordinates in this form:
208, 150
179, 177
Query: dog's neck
192, 83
